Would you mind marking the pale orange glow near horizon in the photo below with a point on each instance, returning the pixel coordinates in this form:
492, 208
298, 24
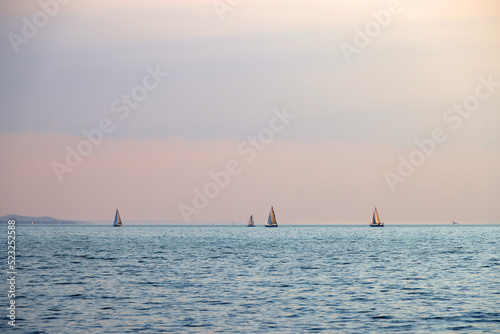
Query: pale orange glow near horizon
306, 182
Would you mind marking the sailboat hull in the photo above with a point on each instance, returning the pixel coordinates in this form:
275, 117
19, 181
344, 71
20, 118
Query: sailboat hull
377, 225
271, 225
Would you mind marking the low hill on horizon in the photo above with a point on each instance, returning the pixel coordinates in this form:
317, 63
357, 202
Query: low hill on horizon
44, 219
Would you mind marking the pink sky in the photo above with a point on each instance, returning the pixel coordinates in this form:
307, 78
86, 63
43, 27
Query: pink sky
306, 182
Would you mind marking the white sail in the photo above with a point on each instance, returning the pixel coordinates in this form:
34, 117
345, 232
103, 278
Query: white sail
271, 220
376, 219
118, 220
250, 221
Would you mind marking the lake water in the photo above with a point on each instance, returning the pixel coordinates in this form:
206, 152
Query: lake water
234, 279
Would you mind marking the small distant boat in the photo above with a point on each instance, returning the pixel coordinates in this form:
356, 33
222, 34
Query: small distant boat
118, 220
454, 223
250, 222
376, 220
271, 220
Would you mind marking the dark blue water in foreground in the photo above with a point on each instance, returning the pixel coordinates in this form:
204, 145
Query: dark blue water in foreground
294, 279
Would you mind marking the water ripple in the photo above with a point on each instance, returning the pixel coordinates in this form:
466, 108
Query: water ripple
335, 279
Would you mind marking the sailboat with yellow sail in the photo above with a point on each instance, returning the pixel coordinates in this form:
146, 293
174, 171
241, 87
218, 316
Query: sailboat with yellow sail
271, 220
376, 220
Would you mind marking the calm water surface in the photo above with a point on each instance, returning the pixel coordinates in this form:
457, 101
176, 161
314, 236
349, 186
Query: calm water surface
294, 279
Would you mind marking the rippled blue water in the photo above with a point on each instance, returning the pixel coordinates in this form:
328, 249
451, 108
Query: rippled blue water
296, 279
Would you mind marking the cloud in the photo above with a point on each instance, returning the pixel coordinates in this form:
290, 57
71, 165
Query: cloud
230, 74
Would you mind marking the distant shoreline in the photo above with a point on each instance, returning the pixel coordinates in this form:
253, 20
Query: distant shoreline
27, 220
220, 224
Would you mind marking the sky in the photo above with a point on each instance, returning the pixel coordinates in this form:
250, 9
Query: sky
195, 111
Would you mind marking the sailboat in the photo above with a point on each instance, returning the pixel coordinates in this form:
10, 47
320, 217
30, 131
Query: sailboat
455, 223
271, 220
118, 220
250, 222
376, 220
